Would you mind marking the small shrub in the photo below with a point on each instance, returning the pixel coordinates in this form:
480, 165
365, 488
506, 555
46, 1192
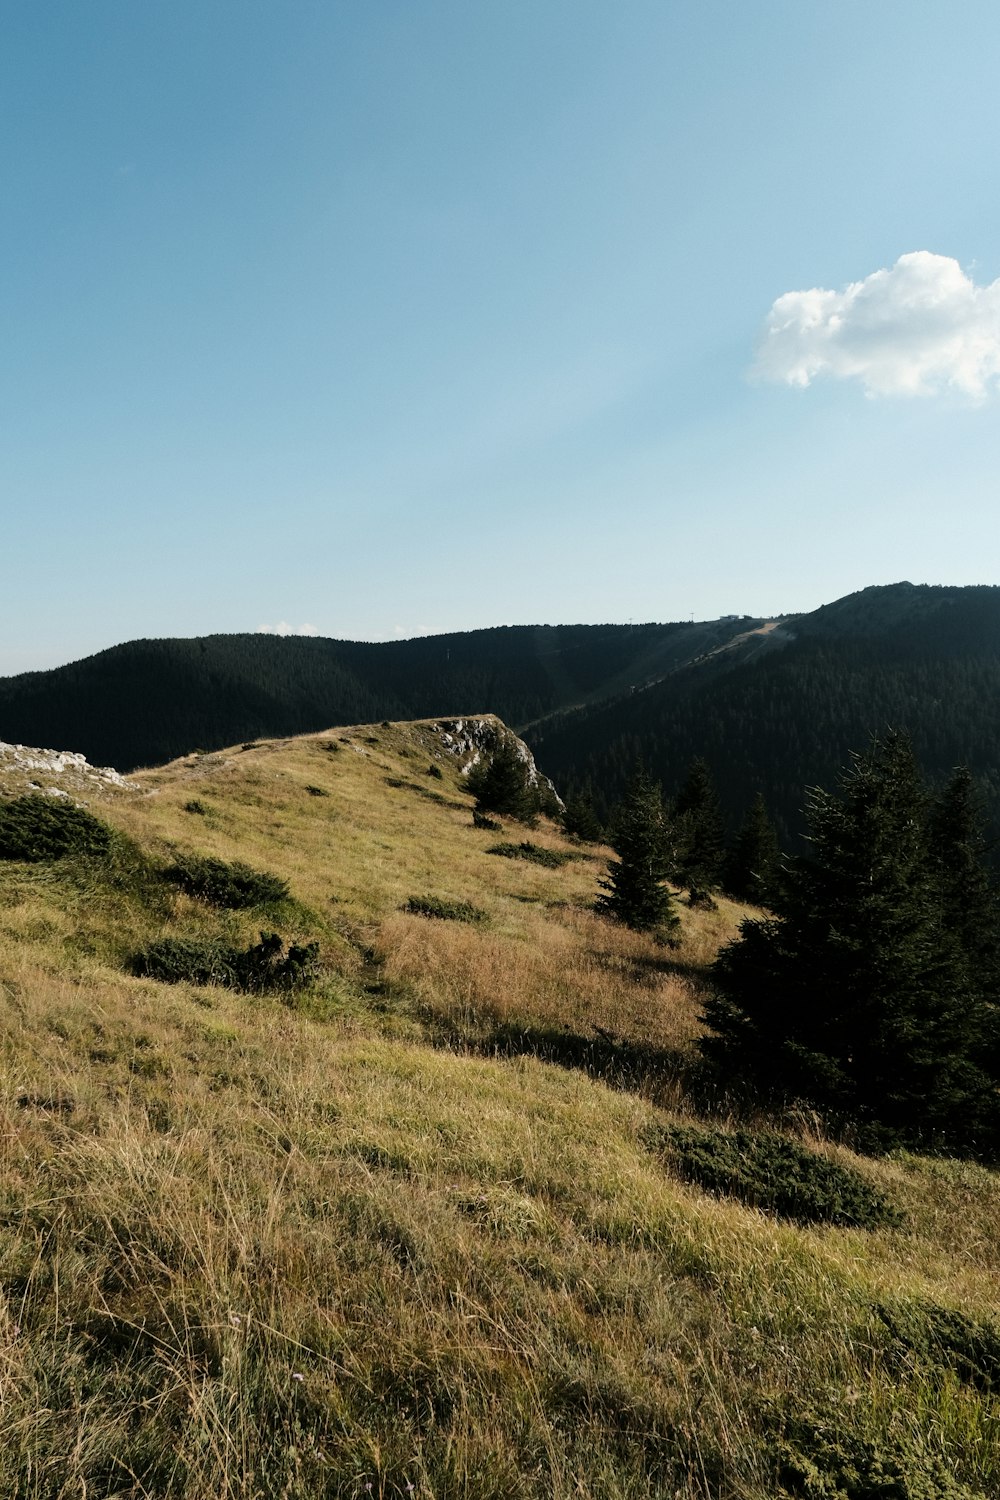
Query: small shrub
818, 1454
429, 795
190, 960
262, 966
194, 806
38, 828
551, 859
943, 1336
769, 1172
436, 906
233, 886
435, 771
482, 820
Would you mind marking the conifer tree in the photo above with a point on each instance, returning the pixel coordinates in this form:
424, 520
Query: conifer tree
700, 831
855, 999
633, 891
753, 868
580, 819
958, 853
502, 784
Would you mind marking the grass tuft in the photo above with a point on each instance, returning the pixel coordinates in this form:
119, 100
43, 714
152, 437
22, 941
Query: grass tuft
437, 906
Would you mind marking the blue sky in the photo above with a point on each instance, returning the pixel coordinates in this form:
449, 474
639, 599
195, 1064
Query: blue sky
386, 318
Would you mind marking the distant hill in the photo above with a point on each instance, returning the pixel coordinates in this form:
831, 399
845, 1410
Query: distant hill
780, 710
148, 701
773, 705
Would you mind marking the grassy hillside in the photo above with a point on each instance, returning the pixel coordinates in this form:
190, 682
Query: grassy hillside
431, 1225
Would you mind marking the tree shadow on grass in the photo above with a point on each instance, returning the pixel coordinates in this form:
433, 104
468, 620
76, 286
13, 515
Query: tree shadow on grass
665, 1075
646, 968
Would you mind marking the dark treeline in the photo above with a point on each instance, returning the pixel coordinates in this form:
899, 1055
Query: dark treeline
924, 661
770, 714
148, 701
872, 993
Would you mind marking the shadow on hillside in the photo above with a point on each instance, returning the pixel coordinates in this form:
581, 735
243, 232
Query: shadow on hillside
646, 969
664, 1075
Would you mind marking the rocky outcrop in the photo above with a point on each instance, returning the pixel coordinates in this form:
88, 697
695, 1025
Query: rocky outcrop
59, 773
474, 739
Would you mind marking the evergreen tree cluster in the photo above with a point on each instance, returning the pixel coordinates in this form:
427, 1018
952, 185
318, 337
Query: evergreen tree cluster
633, 891
874, 994
684, 842
778, 719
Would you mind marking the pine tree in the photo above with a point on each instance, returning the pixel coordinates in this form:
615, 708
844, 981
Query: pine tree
855, 999
580, 819
633, 891
700, 832
753, 868
959, 853
503, 785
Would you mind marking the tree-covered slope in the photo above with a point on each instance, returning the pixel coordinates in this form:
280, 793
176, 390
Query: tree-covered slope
144, 702
771, 707
920, 659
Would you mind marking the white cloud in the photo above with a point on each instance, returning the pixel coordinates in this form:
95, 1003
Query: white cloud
283, 628
921, 326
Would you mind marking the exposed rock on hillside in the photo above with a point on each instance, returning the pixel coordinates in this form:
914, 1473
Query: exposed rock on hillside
472, 739
60, 773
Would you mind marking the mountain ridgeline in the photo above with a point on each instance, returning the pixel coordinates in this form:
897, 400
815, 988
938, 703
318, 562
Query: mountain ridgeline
773, 706
149, 701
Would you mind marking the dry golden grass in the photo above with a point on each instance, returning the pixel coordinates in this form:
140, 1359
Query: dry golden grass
561, 967
251, 1248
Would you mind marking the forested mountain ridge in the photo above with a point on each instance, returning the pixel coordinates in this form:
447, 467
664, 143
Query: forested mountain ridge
147, 701
921, 659
774, 706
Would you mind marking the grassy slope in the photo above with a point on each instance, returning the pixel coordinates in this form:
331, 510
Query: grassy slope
368, 1241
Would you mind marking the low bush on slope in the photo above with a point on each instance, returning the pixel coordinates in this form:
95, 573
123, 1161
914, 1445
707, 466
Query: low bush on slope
227, 884
262, 966
37, 828
772, 1173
